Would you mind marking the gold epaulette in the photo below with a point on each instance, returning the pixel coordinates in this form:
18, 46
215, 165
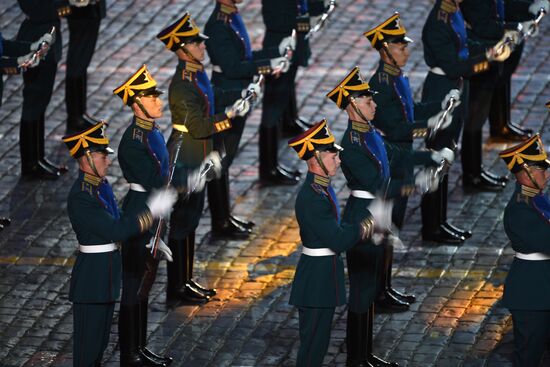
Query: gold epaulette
144, 124
264, 69
391, 69
362, 127
303, 27
367, 228
145, 221
448, 6
180, 128
480, 67
320, 180
443, 16
63, 11
529, 191
222, 125
420, 133
225, 13
10, 70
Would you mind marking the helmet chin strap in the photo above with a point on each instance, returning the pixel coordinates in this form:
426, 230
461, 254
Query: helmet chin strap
388, 53
353, 103
188, 54
320, 161
91, 163
142, 108
530, 175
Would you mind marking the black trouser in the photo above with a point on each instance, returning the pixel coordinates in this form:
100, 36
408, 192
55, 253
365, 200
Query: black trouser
83, 34
531, 333
277, 97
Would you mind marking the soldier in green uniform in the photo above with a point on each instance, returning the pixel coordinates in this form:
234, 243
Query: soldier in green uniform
318, 285
234, 65
281, 18
13, 54
501, 126
400, 119
83, 20
144, 161
365, 165
451, 64
38, 83
192, 100
486, 30
99, 226
527, 225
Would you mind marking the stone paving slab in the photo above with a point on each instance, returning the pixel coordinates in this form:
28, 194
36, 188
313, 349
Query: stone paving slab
457, 320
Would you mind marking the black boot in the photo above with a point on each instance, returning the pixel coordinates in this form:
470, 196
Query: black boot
208, 292
374, 361
75, 101
31, 166
152, 358
434, 214
388, 262
386, 301
444, 185
61, 169
129, 325
270, 172
473, 176
494, 176
178, 289
356, 339
292, 124
501, 127
223, 224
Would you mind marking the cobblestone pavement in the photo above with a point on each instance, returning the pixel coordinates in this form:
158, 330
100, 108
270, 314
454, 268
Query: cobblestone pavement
457, 319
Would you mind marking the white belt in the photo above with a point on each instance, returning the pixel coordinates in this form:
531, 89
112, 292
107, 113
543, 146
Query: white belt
217, 69
96, 249
361, 194
317, 251
137, 187
535, 256
437, 70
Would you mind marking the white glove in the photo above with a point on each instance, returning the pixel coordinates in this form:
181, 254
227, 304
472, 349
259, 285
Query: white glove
279, 65
444, 154
287, 42
162, 248
28, 61
46, 37
195, 182
211, 167
239, 108
394, 240
381, 214
426, 180
161, 201
502, 50
453, 93
530, 27
435, 120
79, 3
254, 88
537, 5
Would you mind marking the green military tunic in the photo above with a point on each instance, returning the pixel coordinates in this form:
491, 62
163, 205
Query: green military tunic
234, 65
144, 160
318, 285
365, 165
95, 278
194, 125
399, 119
527, 287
